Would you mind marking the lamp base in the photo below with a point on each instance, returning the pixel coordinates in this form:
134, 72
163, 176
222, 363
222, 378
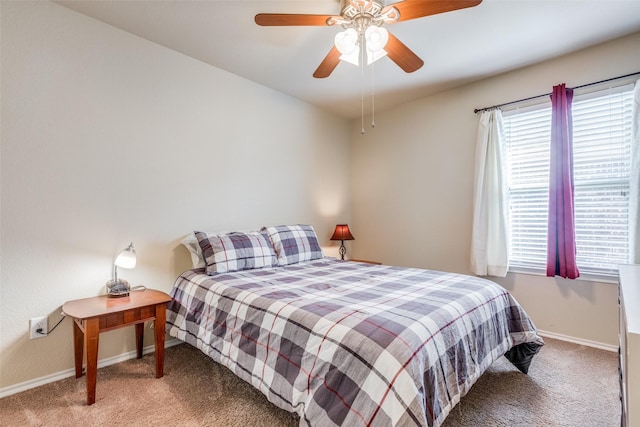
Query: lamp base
118, 288
343, 250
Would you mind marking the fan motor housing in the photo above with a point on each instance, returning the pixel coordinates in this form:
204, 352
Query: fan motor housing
360, 14
350, 8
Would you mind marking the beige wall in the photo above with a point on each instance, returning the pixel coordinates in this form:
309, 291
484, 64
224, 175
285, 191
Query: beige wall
108, 138
412, 187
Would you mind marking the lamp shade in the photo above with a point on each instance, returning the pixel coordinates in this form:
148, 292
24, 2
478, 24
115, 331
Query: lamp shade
347, 41
126, 258
342, 233
376, 37
347, 44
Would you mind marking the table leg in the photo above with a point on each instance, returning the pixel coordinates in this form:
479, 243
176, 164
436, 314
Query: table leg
78, 346
91, 337
139, 339
159, 335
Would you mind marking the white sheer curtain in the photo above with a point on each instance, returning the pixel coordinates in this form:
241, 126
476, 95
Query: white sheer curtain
634, 196
490, 239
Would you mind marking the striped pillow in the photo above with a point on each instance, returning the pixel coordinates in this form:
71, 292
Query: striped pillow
294, 243
235, 251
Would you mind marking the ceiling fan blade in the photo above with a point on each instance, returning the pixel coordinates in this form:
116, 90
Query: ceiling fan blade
328, 64
289, 19
412, 9
404, 57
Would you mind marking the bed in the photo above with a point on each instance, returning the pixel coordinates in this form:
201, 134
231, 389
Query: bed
351, 343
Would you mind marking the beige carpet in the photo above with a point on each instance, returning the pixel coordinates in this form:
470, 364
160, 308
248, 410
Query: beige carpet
568, 385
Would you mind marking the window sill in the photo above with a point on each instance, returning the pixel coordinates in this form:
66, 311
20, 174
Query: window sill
588, 277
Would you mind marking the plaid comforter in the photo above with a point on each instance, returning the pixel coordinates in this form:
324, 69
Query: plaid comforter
351, 344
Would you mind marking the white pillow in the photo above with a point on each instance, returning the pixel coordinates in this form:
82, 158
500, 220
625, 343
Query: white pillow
191, 243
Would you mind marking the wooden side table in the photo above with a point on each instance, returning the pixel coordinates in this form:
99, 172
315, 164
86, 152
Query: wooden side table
98, 314
366, 261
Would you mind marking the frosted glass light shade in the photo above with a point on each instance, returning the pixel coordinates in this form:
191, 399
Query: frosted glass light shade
126, 258
347, 44
376, 37
374, 56
352, 58
347, 41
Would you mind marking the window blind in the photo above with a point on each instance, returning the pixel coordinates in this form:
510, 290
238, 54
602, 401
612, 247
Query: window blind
601, 150
601, 168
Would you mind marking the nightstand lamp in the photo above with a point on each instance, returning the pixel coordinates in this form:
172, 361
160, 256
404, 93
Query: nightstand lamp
342, 233
125, 259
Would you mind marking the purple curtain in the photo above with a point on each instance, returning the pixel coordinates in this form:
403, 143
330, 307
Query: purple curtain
561, 238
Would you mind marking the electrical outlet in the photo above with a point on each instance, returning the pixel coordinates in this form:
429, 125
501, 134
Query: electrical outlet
38, 323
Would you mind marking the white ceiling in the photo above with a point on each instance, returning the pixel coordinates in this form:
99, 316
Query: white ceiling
457, 47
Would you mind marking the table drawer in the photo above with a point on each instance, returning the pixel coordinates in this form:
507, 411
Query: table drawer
115, 320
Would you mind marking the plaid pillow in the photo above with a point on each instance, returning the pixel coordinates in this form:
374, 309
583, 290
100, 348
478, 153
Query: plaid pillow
294, 243
235, 251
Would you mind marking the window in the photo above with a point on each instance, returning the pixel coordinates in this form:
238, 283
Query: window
601, 156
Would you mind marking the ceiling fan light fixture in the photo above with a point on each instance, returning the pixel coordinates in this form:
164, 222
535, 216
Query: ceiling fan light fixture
347, 41
347, 44
353, 57
374, 56
376, 38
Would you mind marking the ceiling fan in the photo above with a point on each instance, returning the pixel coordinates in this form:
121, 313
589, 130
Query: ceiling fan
363, 21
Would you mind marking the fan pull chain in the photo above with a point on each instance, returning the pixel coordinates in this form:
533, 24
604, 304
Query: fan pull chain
362, 49
373, 96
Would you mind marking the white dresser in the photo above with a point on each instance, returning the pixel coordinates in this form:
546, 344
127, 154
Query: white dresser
629, 301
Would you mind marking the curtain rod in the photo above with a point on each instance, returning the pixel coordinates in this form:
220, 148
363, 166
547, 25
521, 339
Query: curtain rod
478, 110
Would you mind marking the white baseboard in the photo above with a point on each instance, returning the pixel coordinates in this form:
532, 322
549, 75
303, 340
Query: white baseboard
588, 343
17, 388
